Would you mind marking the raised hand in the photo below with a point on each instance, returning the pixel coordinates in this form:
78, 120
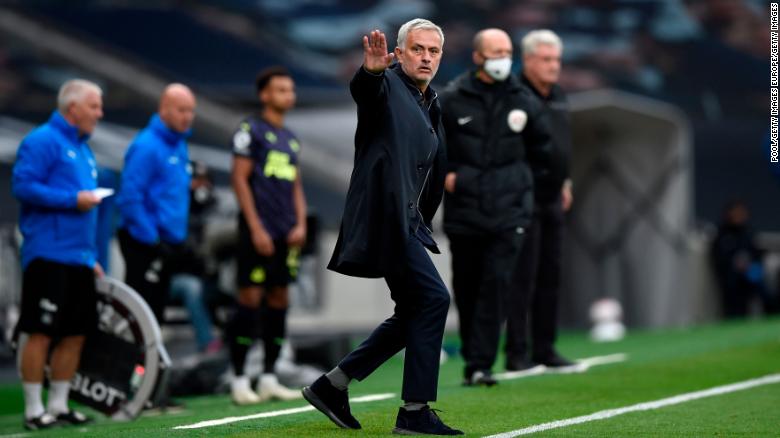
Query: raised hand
375, 55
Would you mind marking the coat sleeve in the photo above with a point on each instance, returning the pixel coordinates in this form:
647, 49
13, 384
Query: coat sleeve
33, 161
137, 177
367, 88
467, 177
538, 139
435, 188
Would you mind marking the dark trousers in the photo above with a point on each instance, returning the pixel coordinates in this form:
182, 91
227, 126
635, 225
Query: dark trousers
146, 272
482, 269
533, 301
421, 304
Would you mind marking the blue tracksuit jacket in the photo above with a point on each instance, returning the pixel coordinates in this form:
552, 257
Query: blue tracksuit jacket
154, 197
52, 165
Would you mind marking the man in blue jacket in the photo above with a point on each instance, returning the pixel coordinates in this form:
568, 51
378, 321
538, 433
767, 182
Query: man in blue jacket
154, 198
394, 191
53, 178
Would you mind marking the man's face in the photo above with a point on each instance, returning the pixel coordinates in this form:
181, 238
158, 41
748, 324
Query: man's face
544, 65
86, 112
421, 55
279, 94
494, 45
178, 111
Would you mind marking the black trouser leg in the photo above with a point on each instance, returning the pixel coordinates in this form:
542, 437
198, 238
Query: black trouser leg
421, 308
497, 259
544, 304
467, 256
145, 272
519, 295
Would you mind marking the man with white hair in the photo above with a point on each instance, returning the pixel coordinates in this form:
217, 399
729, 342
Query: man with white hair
492, 124
533, 303
53, 178
395, 189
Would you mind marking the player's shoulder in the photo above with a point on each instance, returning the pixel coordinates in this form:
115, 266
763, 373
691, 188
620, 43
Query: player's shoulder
245, 134
292, 140
41, 141
146, 144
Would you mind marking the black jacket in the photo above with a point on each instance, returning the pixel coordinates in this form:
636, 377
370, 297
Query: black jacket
553, 168
488, 128
398, 177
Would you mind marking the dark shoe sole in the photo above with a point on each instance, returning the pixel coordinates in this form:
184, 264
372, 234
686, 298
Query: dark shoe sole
487, 384
315, 401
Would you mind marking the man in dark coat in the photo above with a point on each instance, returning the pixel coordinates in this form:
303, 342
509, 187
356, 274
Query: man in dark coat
490, 120
395, 188
533, 306
738, 265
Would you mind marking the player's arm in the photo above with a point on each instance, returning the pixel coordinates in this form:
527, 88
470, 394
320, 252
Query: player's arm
242, 170
297, 236
367, 84
30, 172
137, 176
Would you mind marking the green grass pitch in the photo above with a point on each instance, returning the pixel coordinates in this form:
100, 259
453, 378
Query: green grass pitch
660, 364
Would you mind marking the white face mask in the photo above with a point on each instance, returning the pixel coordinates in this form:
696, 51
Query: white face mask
498, 68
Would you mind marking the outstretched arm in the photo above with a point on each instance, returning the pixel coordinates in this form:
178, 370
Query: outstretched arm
366, 86
375, 55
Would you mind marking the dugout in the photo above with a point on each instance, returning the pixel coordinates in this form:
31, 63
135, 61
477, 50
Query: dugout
627, 234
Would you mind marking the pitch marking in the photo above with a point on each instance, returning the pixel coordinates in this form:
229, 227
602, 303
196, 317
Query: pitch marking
646, 406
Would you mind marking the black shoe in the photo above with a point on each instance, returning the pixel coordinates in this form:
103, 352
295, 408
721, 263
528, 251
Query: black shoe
480, 378
423, 421
331, 401
554, 360
43, 421
73, 417
165, 406
517, 364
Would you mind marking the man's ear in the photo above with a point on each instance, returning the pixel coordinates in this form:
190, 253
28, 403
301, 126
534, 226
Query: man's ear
397, 52
477, 58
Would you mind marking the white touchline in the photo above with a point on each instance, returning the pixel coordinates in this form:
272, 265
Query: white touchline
646, 406
228, 420
581, 366
603, 360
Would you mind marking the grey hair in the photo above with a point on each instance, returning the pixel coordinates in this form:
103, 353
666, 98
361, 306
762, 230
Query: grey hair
73, 91
536, 38
417, 23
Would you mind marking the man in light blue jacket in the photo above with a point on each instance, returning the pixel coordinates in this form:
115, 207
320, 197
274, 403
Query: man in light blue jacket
54, 178
154, 197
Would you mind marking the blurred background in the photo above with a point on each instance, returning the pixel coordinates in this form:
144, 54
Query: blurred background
669, 108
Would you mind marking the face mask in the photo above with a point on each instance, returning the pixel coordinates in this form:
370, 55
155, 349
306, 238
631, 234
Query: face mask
498, 68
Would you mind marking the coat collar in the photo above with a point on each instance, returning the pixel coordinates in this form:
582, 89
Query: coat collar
430, 94
555, 90
71, 132
167, 134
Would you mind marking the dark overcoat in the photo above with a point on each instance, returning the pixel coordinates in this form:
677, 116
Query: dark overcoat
495, 136
398, 177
